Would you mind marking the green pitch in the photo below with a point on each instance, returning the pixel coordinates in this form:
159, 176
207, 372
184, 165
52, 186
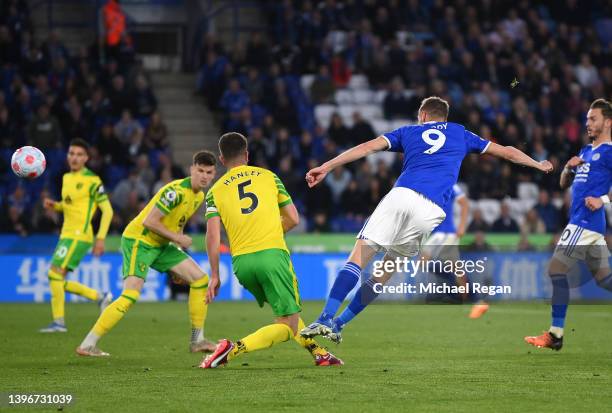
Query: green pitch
398, 357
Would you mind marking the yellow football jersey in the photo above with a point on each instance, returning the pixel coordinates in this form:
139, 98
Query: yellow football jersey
177, 201
82, 191
248, 200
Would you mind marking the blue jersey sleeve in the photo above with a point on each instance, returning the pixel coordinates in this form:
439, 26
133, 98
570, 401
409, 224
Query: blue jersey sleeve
475, 143
395, 139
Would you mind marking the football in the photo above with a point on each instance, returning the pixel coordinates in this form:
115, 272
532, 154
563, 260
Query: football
28, 162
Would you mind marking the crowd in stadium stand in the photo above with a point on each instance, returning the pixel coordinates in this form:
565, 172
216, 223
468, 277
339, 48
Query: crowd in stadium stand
50, 95
514, 72
327, 75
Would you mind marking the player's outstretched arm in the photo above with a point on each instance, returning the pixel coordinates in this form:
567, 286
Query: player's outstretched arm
153, 222
512, 154
289, 217
213, 242
106, 210
316, 175
49, 203
567, 175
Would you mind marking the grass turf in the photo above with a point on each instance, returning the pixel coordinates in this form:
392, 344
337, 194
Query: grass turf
398, 357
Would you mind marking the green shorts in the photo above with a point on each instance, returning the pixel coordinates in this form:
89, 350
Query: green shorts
270, 277
69, 253
139, 256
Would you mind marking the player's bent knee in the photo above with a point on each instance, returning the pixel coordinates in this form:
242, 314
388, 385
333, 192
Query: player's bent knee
291, 321
557, 267
57, 270
201, 282
133, 282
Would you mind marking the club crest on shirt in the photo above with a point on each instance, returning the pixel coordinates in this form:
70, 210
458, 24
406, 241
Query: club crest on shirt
596, 156
79, 185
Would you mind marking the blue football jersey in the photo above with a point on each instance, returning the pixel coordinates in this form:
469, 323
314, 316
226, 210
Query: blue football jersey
433, 153
593, 178
448, 225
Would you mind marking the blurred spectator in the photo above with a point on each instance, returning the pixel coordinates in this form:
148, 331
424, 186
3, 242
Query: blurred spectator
547, 212
8, 129
532, 224
480, 243
586, 73
131, 184
340, 71
337, 181
19, 199
258, 147
322, 88
338, 132
156, 136
165, 177
44, 130
111, 149
16, 222
119, 97
505, 223
524, 244
320, 223
132, 206
234, 99
351, 201
361, 131
396, 104
96, 162
478, 223
294, 184
126, 127
145, 102
145, 172
45, 220
113, 29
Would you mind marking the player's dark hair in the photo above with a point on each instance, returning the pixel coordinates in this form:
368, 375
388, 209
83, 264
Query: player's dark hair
206, 158
435, 106
81, 143
604, 105
232, 144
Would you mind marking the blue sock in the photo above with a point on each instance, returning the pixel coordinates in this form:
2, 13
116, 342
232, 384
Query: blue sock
560, 299
606, 282
345, 281
363, 297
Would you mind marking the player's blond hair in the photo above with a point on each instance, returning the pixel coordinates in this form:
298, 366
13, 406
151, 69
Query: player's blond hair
435, 107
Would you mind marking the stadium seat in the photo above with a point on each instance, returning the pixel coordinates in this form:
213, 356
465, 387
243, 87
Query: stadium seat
380, 125
346, 112
370, 112
379, 96
344, 97
398, 123
527, 191
358, 82
363, 97
323, 114
306, 82
490, 209
519, 207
